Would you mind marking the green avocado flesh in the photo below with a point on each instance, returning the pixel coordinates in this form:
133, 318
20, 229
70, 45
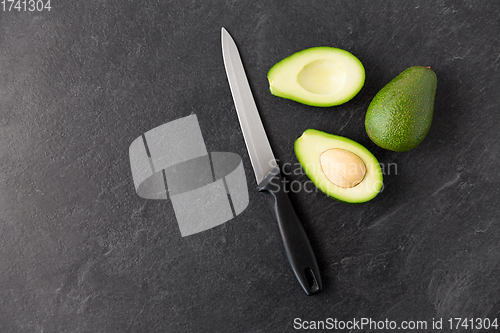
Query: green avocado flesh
319, 76
400, 115
312, 146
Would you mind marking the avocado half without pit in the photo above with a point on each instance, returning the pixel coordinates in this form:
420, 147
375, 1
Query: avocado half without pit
319, 76
341, 168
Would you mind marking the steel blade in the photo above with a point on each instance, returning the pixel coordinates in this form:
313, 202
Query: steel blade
259, 149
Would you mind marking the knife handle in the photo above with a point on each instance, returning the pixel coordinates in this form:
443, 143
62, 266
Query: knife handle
297, 246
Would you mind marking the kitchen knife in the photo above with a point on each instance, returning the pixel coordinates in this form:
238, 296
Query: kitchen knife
267, 172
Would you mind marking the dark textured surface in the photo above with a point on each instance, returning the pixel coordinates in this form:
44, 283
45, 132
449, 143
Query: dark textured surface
81, 252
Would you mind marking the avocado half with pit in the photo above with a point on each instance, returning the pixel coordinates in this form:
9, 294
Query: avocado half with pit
319, 76
341, 168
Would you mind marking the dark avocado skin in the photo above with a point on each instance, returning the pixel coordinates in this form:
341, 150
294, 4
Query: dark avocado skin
400, 115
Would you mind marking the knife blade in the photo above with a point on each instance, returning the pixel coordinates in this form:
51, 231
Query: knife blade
267, 172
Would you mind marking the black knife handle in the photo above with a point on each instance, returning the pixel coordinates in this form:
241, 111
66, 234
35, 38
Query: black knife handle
297, 247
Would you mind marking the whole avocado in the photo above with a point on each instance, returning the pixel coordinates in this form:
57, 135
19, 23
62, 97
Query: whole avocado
400, 115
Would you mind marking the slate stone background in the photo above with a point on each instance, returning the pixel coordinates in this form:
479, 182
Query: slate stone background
81, 252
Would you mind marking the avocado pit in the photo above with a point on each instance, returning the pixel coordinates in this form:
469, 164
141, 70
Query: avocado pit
342, 167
